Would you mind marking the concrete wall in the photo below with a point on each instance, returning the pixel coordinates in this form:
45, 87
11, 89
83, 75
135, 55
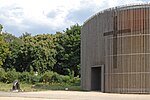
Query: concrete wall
119, 39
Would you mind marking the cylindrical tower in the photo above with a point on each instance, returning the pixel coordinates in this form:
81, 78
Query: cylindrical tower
119, 39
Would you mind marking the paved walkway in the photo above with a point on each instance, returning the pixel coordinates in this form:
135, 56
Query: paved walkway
70, 95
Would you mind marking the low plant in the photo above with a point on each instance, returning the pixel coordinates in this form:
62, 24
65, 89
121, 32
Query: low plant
11, 75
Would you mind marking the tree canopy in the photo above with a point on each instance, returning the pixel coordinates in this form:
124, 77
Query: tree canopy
58, 52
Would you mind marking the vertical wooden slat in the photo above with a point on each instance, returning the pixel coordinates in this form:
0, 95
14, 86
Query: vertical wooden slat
130, 52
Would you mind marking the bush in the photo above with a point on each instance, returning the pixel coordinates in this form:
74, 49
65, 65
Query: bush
75, 80
25, 77
46, 77
53, 77
29, 77
11, 76
35, 79
56, 78
65, 79
2, 75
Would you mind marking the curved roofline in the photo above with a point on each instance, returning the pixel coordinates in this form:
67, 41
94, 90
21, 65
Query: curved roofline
123, 7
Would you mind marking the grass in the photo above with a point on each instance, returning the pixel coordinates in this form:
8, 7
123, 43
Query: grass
57, 86
8, 87
40, 87
5, 87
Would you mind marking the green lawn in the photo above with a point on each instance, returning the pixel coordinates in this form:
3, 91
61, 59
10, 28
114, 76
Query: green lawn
8, 87
5, 87
40, 87
56, 86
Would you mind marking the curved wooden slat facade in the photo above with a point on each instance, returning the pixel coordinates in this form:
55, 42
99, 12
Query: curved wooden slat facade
118, 39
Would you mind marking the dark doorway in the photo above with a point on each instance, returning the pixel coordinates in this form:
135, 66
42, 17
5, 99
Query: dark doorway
97, 77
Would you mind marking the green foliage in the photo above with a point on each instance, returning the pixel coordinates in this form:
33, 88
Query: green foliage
53, 77
58, 52
56, 78
56, 58
38, 52
24, 35
11, 76
65, 79
75, 81
2, 75
25, 77
56, 81
68, 51
13, 43
57, 86
35, 79
1, 27
47, 76
4, 50
29, 77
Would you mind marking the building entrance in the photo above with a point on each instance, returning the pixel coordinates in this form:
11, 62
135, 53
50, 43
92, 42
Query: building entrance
97, 78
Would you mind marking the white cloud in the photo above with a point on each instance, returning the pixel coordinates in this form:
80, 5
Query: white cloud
19, 16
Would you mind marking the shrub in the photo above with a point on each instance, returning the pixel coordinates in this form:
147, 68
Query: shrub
46, 77
65, 79
29, 77
35, 79
56, 78
25, 77
75, 80
11, 76
53, 77
2, 75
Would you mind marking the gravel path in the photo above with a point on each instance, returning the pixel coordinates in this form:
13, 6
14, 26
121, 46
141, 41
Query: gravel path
70, 95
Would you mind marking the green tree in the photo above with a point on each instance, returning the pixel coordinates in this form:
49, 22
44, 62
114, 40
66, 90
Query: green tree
58, 52
26, 34
14, 44
68, 51
38, 52
4, 50
1, 27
